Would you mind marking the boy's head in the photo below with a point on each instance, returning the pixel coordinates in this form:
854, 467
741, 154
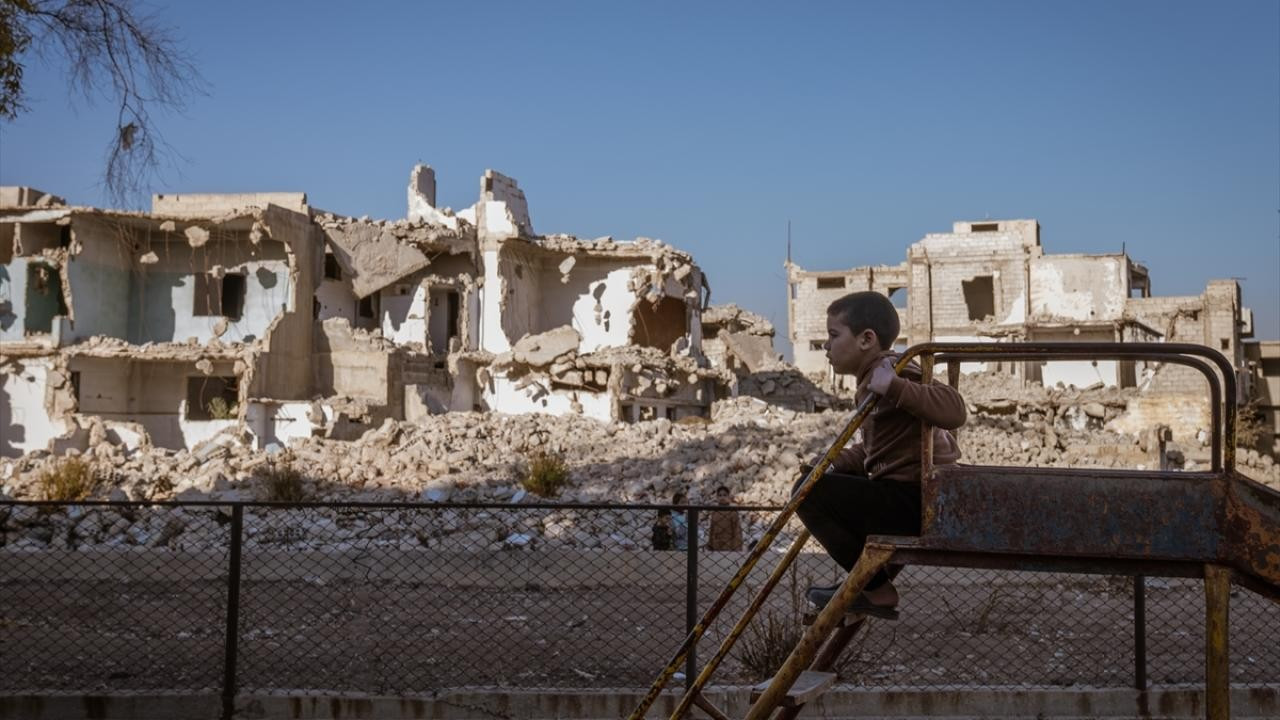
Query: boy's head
677, 498
722, 495
859, 325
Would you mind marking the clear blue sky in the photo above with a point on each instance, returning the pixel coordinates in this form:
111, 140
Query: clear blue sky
1153, 125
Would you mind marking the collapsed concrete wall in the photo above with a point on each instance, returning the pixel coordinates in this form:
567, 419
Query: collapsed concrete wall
256, 313
159, 322
27, 420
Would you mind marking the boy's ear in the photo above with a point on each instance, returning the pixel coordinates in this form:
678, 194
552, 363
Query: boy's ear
868, 339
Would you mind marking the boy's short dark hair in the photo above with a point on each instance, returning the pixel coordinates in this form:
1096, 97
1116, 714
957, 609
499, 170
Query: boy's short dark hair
722, 488
868, 310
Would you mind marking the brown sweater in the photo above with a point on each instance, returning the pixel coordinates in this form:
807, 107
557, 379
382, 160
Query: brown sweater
890, 447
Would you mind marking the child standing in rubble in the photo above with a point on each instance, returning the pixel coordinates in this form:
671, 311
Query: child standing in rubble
873, 487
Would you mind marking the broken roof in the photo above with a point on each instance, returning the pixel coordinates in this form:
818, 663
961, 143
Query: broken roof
376, 253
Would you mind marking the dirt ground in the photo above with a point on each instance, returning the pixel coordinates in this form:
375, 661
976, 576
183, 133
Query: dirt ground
958, 628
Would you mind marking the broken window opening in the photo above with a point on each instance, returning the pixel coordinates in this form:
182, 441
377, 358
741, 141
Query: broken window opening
64, 236
219, 296
659, 326
1226, 343
830, 283
234, 286
44, 298
332, 270
366, 307
795, 290
75, 386
212, 397
980, 297
898, 296
984, 227
451, 314
817, 344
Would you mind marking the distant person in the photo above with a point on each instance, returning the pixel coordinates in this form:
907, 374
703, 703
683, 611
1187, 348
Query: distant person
662, 531
873, 488
680, 522
726, 526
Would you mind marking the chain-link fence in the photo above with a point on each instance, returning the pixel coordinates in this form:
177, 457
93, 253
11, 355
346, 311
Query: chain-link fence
245, 598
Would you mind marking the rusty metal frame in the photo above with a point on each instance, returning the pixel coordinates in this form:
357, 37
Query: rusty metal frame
880, 551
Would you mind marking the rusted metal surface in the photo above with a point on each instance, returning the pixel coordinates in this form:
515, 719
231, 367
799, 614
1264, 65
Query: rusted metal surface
1214, 516
1217, 598
912, 551
1251, 529
1068, 512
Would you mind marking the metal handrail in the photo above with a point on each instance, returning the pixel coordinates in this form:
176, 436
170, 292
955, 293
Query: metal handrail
1222, 404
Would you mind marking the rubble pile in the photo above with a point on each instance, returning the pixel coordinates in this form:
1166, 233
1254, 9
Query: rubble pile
753, 447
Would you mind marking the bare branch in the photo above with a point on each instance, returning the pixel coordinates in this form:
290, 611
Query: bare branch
113, 51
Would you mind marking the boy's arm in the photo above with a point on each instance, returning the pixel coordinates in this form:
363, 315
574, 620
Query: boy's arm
851, 461
937, 403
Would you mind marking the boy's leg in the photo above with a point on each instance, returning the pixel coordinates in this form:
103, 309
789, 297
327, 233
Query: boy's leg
842, 510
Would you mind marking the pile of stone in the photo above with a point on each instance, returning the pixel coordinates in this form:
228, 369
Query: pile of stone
753, 447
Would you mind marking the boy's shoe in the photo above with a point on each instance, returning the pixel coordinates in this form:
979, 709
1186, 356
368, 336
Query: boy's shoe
820, 596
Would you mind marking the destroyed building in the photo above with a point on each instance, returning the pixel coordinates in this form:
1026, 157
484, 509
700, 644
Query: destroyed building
260, 317
990, 280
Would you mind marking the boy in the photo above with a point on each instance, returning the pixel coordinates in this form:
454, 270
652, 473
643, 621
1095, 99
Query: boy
873, 488
726, 526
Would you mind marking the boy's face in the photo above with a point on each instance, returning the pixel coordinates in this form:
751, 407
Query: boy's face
722, 497
848, 353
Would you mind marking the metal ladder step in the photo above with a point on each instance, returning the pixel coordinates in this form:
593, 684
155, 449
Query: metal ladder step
807, 687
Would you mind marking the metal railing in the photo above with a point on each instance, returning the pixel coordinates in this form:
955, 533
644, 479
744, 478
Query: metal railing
237, 598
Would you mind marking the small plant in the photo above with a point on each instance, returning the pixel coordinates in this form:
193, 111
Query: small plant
766, 646
547, 475
220, 409
775, 633
1252, 430
70, 480
283, 483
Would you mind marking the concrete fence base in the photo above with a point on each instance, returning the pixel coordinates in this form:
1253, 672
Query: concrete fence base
851, 703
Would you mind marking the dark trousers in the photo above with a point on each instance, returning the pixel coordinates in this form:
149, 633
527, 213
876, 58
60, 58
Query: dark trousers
842, 510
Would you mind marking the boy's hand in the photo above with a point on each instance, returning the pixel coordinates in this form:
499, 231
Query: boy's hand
881, 377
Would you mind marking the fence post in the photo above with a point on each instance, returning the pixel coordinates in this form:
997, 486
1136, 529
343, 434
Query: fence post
1140, 632
691, 593
233, 614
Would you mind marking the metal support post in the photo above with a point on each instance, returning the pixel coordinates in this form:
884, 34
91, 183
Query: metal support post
1217, 597
233, 614
691, 593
